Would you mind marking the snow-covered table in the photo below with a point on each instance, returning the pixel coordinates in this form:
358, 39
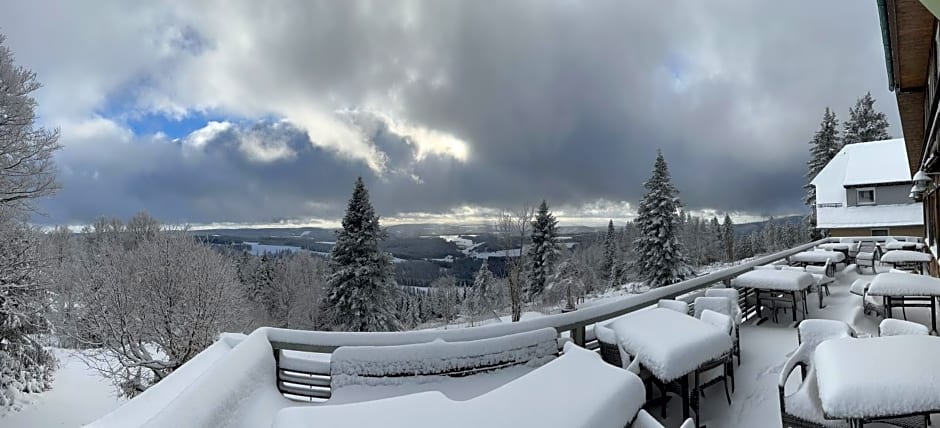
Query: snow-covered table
835, 246
817, 257
902, 245
906, 290
671, 345
775, 285
898, 258
878, 378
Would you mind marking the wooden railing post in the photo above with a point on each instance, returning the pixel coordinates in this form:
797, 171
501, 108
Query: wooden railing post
577, 335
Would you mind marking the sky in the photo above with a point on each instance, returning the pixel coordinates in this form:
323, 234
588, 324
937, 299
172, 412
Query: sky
241, 112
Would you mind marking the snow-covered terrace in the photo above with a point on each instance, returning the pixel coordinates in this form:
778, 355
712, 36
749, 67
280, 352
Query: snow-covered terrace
221, 387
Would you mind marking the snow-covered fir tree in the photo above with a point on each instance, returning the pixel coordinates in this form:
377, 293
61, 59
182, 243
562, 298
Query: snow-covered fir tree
27, 172
824, 146
865, 123
361, 292
542, 251
609, 262
727, 238
568, 281
484, 294
659, 255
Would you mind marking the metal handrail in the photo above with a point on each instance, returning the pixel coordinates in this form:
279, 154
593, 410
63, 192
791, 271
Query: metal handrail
574, 322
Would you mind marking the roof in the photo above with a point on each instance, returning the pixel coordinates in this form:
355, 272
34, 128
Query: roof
870, 216
876, 162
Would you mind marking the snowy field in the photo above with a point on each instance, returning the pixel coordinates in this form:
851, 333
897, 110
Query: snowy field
78, 396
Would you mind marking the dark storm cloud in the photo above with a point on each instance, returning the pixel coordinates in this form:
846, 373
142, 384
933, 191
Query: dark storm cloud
565, 100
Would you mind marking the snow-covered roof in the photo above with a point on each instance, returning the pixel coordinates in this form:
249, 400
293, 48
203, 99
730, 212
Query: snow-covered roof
870, 216
875, 162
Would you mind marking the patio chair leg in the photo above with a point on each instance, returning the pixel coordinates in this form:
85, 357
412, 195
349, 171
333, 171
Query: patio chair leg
730, 373
724, 381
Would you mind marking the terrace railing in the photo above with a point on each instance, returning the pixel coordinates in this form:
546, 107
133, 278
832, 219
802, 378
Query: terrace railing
573, 324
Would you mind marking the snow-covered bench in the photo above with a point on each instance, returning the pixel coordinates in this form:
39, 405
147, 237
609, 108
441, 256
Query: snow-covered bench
598, 394
381, 365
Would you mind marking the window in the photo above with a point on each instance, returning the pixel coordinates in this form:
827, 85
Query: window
866, 196
880, 232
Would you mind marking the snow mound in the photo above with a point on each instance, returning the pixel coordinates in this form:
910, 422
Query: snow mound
893, 327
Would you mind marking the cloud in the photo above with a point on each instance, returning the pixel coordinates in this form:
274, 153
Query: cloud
441, 105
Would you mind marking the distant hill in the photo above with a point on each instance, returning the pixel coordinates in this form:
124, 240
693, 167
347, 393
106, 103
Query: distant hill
748, 228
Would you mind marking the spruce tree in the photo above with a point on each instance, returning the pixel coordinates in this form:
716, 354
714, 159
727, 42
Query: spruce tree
361, 292
865, 123
609, 262
542, 251
484, 295
824, 146
660, 259
727, 238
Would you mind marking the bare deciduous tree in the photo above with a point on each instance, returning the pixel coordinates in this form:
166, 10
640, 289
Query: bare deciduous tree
26, 173
149, 309
26, 168
513, 227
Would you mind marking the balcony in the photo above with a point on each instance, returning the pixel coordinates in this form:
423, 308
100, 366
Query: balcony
250, 380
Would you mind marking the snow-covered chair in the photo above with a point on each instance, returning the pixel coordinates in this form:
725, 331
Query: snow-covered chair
737, 315
802, 408
645, 420
674, 305
812, 332
822, 277
610, 346
896, 327
722, 305
866, 256
724, 323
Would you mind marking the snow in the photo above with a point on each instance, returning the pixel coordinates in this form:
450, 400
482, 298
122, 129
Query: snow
307, 362
78, 396
605, 396
833, 246
900, 245
766, 279
670, 344
860, 286
812, 332
906, 256
893, 327
900, 376
876, 162
374, 365
259, 249
156, 399
722, 305
870, 216
818, 257
904, 284
675, 305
